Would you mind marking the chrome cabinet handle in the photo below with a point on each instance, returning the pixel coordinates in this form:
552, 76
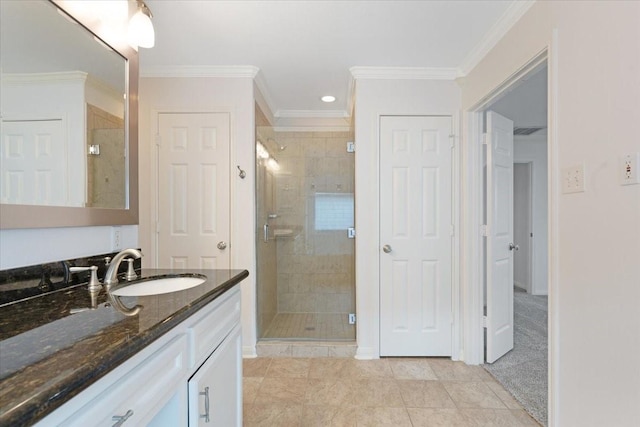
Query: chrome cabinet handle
205, 393
265, 229
222, 245
386, 249
512, 247
120, 419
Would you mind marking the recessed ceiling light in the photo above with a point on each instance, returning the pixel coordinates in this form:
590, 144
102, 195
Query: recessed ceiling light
328, 98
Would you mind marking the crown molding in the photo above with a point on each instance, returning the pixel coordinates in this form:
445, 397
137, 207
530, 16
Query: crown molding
404, 73
231, 71
508, 19
265, 101
351, 95
311, 114
61, 76
311, 128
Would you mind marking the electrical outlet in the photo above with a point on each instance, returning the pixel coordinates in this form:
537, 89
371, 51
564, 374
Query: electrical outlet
116, 238
629, 165
573, 179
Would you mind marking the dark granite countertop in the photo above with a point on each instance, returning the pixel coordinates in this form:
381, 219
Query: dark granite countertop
52, 346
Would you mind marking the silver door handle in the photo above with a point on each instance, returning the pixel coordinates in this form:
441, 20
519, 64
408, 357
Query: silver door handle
265, 232
512, 247
120, 419
205, 393
386, 249
222, 245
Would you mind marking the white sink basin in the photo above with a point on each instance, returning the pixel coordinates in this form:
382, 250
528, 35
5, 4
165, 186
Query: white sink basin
161, 285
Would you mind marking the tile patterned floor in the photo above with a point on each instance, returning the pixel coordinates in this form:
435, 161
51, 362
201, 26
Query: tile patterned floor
311, 326
395, 392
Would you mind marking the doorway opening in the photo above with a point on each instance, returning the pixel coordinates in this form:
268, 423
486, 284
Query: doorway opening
515, 287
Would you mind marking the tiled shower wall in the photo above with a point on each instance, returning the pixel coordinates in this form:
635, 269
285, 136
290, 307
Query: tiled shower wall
315, 257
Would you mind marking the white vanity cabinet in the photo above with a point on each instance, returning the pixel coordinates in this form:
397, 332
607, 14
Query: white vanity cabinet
216, 388
160, 386
133, 394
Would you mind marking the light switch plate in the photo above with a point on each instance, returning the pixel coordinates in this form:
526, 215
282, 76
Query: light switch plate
116, 238
629, 165
573, 179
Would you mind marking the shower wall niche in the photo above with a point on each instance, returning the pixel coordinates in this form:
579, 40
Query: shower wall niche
306, 284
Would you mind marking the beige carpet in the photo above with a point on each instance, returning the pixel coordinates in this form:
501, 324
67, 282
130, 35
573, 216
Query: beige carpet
523, 371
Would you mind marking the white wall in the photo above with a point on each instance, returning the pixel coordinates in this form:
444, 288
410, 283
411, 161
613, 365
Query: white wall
23, 247
533, 149
374, 98
594, 63
208, 94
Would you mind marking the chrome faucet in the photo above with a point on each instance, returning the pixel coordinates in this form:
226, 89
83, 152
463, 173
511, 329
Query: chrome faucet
111, 276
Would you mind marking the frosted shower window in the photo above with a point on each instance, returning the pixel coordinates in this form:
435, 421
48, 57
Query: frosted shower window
333, 211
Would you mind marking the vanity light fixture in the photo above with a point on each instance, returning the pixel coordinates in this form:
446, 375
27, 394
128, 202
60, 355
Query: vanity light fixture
141, 31
328, 98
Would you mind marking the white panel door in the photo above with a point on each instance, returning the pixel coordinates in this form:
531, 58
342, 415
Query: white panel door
34, 163
500, 238
193, 190
416, 237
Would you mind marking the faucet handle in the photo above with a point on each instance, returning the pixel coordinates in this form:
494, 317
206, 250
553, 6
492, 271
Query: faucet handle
131, 272
94, 283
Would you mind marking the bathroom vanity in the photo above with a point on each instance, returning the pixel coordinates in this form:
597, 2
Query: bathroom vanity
177, 362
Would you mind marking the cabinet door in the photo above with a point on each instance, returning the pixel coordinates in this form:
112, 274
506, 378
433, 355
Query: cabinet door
215, 390
151, 387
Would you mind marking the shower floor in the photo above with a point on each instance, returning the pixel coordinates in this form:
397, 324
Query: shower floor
311, 326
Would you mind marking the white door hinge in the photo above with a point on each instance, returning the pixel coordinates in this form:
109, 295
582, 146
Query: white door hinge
351, 147
158, 227
484, 230
485, 138
452, 140
158, 140
484, 321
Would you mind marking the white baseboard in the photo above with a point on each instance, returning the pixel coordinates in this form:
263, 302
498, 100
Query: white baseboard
249, 352
365, 353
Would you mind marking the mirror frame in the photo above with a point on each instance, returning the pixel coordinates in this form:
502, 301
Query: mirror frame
34, 216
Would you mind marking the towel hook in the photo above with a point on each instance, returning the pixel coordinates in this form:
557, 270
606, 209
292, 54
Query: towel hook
242, 174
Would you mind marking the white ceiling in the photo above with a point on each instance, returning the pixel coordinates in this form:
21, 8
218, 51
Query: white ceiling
526, 102
305, 49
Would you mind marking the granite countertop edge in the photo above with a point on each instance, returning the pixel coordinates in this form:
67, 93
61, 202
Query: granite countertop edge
39, 405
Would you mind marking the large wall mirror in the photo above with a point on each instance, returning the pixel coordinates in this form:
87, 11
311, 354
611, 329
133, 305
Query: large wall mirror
69, 152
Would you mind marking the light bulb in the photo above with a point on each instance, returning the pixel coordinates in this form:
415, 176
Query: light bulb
141, 30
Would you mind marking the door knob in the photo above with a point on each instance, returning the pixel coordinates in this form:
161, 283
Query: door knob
386, 249
222, 245
512, 247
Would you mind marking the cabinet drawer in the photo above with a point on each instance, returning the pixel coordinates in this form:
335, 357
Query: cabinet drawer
142, 391
208, 332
